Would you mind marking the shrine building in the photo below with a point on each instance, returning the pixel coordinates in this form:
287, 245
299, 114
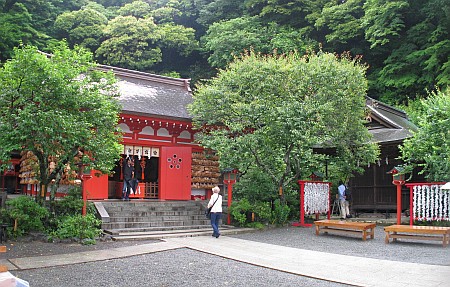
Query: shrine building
158, 136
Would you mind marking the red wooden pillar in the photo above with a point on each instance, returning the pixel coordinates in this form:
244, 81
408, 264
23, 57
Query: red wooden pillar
302, 206
411, 211
398, 179
229, 179
84, 178
399, 204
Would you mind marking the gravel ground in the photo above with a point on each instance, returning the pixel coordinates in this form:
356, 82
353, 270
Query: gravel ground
185, 267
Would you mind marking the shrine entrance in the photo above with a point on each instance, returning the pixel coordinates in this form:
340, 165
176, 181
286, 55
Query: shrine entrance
146, 172
163, 173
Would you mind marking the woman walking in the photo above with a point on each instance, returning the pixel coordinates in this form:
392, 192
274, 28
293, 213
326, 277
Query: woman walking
215, 203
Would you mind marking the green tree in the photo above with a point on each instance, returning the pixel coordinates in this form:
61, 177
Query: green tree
16, 27
212, 11
429, 148
270, 111
58, 107
343, 21
139, 44
420, 59
83, 27
130, 43
138, 9
228, 39
383, 20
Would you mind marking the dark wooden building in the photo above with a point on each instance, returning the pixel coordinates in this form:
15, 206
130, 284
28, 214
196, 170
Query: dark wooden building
373, 190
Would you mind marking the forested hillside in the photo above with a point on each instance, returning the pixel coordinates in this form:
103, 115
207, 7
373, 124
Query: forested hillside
405, 43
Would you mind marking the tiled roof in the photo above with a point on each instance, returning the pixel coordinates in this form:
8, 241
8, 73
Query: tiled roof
392, 125
152, 95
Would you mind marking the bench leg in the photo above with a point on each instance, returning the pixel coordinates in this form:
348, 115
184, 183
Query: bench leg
445, 240
386, 239
364, 235
372, 233
317, 230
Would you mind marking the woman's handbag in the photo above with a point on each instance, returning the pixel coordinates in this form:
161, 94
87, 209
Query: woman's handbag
208, 210
208, 213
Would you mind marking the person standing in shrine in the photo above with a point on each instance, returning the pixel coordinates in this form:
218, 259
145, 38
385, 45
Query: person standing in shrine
215, 203
128, 175
345, 212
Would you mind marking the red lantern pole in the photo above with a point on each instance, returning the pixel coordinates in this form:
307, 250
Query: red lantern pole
399, 203
398, 179
84, 178
230, 198
229, 180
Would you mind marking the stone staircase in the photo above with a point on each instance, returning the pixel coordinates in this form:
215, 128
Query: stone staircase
153, 219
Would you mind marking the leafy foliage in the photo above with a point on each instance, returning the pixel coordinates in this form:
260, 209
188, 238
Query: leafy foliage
405, 42
15, 28
83, 27
229, 39
268, 112
429, 149
71, 203
61, 109
242, 210
28, 213
383, 20
138, 43
84, 229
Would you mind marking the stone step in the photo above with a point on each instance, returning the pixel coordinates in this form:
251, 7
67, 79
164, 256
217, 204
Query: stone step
144, 215
155, 218
155, 229
119, 225
125, 208
178, 233
153, 204
134, 213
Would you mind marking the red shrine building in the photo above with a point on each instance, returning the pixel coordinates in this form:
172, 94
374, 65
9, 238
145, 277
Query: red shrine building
157, 135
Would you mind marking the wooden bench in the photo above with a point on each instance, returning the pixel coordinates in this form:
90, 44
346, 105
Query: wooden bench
346, 227
3, 268
418, 232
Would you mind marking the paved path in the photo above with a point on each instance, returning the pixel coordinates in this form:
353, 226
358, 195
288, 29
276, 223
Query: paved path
351, 270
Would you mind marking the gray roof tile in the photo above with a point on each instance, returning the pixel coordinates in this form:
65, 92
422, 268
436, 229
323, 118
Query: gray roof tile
152, 95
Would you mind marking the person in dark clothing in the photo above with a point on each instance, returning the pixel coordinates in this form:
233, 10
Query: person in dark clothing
128, 175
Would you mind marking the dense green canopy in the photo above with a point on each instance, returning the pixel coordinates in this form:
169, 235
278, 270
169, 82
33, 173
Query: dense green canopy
61, 109
405, 43
268, 112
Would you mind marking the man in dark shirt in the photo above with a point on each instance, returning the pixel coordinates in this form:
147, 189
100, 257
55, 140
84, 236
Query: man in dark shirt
128, 174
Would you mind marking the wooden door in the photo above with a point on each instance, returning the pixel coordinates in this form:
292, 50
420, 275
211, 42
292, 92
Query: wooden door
175, 173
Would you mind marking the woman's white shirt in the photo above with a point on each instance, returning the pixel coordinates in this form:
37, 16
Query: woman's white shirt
218, 205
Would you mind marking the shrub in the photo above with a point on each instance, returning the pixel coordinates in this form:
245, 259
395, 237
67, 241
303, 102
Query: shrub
280, 214
70, 204
239, 210
84, 229
28, 213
